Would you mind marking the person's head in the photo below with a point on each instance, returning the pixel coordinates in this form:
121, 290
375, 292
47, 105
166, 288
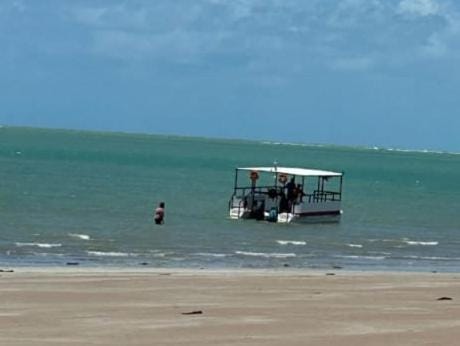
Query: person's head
292, 179
162, 204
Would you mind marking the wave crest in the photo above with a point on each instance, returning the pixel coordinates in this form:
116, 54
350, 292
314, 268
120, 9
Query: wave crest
265, 255
291, 242
40, 245
80, 236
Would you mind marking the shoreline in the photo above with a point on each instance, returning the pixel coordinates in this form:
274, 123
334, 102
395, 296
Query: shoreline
283, 271
145, 306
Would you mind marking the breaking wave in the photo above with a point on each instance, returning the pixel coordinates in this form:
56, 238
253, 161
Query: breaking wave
423, 243
265, 255
210, 254
355, 245
80, 236
291, 242
110, 254
376, 258
40, 245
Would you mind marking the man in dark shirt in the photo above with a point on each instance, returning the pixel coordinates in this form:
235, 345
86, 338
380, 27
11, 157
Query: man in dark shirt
160, 214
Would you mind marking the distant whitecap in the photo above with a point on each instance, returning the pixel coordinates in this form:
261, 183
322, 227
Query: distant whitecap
110, 254
423, 243
291, 242
206, 254
80, 236
375, 258
355, 245
433, 258
265, 255
40, 245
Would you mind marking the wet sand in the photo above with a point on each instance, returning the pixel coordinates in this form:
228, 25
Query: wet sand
73, 306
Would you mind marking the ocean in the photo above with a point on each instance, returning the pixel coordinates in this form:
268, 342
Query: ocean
87, 199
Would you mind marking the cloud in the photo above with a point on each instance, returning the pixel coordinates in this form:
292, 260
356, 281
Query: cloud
89, 16
442, 42
239, 9
435, 47
12, 7
257, 36
117, 16
353, 64
352, 13
419, 7
173, 47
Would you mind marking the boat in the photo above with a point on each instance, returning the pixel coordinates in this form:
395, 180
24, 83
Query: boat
286, 194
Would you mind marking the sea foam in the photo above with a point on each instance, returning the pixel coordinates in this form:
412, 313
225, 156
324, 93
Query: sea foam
80, 236
110, 254
291, 242
206, 254
423, 243
433, 258
375, 258
41, 245
265, 255
355, 245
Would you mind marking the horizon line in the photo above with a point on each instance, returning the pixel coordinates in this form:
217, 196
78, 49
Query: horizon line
234, 139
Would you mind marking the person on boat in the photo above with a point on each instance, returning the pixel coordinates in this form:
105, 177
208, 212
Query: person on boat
284, 203
291, 192
299, 194
258, 212
159, 215
290, 189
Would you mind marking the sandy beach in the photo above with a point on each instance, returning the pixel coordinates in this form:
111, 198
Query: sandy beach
72, 306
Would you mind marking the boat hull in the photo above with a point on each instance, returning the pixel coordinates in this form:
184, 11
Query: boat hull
310, 217
304, 217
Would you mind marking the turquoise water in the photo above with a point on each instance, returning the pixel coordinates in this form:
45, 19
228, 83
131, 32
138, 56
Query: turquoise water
87, 198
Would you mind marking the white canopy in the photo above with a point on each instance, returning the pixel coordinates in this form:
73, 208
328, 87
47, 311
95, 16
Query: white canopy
305, 172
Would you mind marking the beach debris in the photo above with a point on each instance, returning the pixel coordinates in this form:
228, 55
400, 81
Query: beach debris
6, 271
445, 298
72, 263
195, 312
330, 274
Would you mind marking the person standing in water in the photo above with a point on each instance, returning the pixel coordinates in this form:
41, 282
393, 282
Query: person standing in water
159, 215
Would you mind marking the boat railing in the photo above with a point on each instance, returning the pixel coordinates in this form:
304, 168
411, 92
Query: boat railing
240, 206
243, 192
245, 197
242, 196
323, 196
317, 196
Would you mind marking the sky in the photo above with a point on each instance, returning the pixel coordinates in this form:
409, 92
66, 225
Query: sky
347, 72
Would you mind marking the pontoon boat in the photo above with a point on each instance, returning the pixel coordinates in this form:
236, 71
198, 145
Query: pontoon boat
286, 194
